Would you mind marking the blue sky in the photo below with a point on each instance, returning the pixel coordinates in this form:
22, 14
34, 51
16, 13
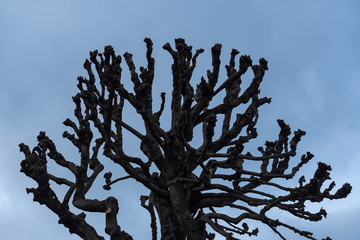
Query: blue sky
313, 79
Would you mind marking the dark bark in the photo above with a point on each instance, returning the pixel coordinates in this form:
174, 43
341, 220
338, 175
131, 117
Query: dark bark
189, 186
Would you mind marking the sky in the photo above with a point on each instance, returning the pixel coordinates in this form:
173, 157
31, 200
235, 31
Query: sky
313, 79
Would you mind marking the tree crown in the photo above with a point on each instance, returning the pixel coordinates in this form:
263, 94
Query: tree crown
190, 187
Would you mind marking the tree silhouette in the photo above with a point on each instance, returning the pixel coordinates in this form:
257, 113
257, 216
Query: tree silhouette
191, 188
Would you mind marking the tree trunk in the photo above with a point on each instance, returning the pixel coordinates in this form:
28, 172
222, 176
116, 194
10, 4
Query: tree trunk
170, 226
177, 222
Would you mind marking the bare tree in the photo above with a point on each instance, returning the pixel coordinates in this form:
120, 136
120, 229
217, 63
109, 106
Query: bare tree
190, 188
